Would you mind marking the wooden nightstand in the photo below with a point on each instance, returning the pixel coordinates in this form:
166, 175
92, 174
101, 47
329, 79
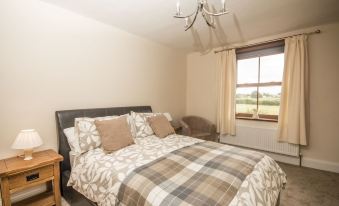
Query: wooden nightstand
17, 174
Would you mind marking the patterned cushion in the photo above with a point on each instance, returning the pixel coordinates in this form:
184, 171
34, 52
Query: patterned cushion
87, 132
141, 126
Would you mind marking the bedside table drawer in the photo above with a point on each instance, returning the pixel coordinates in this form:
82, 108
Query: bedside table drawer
28, 177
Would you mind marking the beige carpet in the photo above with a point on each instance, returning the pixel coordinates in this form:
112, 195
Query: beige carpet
63, 202
309, 187
306, 187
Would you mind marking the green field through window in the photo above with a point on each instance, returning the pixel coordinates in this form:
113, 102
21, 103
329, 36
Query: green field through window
259, 85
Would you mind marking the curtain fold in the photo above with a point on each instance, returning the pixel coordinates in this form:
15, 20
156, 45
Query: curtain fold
226, 74
292, 114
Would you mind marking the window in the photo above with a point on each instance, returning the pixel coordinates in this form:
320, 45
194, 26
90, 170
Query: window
259, 77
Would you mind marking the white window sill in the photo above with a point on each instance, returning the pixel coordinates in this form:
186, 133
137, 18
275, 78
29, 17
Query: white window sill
257, 124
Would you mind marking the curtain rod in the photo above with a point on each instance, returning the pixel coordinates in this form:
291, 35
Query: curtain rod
268, 41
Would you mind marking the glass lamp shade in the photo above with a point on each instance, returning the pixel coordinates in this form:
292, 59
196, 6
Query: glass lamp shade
27, 140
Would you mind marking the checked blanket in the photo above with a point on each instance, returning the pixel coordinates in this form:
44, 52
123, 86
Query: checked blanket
205, 173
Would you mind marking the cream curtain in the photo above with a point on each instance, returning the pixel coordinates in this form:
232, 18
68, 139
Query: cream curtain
226, 74
292, 119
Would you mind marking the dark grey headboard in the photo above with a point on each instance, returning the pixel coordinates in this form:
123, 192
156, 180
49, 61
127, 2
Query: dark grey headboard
65, 119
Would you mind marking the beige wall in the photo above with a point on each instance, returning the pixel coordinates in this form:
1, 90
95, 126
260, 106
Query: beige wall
52, 59
324, 95
201, 85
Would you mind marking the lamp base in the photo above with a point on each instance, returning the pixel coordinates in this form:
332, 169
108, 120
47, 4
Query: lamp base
28, 154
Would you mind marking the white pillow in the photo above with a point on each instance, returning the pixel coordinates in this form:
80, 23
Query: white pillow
73, 139
72, 157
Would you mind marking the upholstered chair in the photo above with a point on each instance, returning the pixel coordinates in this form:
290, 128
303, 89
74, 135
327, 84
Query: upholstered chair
198, 127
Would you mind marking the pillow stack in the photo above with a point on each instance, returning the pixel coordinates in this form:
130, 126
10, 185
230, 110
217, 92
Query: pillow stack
87, 133
115, 132
142, 128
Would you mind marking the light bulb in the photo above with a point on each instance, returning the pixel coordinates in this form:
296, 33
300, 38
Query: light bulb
223, 3
178, 8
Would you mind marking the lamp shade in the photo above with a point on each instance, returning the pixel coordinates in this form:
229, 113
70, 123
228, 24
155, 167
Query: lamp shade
27, 139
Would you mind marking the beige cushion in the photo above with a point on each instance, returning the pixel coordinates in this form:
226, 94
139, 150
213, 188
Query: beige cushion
160, 125
115, 133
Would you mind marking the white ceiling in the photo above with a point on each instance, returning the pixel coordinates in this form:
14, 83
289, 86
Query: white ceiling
249, 19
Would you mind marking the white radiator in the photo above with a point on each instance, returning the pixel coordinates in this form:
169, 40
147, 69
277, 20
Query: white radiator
261, 139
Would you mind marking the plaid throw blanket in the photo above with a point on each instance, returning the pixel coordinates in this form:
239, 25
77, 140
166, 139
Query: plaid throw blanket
206, 173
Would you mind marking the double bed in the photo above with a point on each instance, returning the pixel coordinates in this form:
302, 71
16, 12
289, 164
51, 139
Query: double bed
175, 170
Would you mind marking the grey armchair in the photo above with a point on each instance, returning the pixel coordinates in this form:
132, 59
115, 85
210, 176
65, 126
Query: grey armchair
198, 127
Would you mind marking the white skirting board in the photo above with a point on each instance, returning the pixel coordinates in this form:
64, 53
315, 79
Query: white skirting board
320, 164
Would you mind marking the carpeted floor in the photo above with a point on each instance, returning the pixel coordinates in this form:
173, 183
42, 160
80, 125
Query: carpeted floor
309, 187
306, 187
63, 202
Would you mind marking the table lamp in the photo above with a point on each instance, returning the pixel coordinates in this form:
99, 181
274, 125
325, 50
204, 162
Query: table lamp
27, 140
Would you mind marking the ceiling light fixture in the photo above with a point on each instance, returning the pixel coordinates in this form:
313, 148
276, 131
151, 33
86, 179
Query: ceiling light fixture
206, 14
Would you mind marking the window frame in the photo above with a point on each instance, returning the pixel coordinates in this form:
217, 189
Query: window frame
259, 51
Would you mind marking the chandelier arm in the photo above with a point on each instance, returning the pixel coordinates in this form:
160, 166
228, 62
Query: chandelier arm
195, 18
183, 17
207, 21
214, 14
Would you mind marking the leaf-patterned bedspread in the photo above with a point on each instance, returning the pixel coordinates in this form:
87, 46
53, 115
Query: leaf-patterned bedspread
177, 170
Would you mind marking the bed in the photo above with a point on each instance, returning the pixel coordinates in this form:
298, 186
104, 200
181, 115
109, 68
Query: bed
176, 170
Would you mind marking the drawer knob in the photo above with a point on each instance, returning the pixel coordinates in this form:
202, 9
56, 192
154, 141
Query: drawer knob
32, 177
